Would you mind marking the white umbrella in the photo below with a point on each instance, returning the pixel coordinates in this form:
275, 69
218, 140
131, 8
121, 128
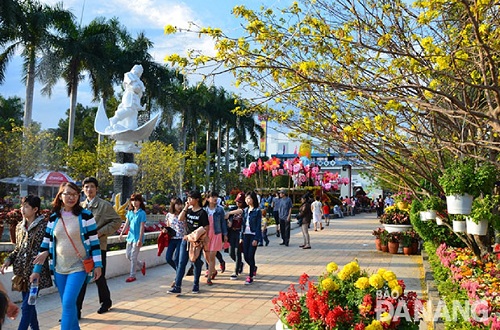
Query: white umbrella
52, 178
21, 180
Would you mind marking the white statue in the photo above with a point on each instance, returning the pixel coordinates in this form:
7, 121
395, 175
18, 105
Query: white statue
127, 169
125, 117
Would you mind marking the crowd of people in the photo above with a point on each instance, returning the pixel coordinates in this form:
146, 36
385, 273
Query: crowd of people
199, 228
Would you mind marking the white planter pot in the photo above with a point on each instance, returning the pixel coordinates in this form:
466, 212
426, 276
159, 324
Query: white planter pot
423, 216
439, 221
430, 214
459, 226
397, 228
480, 228
281, 326
459, 204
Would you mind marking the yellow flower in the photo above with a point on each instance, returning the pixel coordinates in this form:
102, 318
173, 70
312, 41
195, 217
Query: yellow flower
381, 271
362, 283
331, 267
392, 284
389, 276
397, 291
348, 270
376, 281
385, 318
329, 284
376, 325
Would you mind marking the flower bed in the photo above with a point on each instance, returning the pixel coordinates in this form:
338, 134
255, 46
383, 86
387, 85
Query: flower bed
349, 299
479, 278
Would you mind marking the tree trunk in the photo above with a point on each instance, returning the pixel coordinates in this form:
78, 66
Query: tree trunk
207, 169
72, 111
219, 156
228, 135
30, 86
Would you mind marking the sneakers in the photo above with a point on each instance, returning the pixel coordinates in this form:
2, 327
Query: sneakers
143, 269
255, 271
249, 280
196, 289
175, 290
233, 276
130, 279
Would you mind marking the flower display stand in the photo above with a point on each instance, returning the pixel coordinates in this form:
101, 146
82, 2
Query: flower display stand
392, 228
480, 228
459, 204
459, 226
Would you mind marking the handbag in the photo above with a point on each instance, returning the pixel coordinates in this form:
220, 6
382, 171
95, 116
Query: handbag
19, 283
88, 263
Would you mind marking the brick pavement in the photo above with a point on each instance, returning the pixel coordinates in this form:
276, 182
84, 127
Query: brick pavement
231, 304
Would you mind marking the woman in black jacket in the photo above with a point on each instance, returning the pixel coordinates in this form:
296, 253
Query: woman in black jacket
305, 214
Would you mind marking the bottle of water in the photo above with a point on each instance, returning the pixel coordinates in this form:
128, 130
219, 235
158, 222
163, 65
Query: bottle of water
33, 292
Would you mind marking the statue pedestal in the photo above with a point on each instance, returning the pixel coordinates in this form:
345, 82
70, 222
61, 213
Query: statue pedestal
123, 184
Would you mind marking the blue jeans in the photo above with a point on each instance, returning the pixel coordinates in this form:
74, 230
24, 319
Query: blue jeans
69, 286
181, 267
249, 252
172, 256
28, 315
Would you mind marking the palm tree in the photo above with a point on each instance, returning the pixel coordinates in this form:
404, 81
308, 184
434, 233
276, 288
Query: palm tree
34, 32
89, 49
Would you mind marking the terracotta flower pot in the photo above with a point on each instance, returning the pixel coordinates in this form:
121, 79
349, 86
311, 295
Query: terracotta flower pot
384, 248
377, 244
407, 250
414, 247
393, 247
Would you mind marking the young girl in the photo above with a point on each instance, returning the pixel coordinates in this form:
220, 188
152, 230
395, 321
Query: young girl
216, 233
70, 236
194, 216
29, 235
235, 221
172, 221
136, 218
251, 233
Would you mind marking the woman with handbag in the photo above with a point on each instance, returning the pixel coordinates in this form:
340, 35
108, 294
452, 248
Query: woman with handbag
71, 242
217, 233
29, 235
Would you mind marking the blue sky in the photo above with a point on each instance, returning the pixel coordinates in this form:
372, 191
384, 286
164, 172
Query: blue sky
149, 16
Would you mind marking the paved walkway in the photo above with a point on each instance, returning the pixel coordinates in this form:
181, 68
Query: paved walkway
231, 304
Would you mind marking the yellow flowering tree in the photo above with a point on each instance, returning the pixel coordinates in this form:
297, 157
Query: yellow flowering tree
408, 86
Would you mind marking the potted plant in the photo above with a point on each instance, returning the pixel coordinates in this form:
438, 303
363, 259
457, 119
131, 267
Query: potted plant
384, 240
458, 222
406, 242
464, 180
346, 298
482, 215
377, 232
402, 199
393, 243
395, 219
431, 205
